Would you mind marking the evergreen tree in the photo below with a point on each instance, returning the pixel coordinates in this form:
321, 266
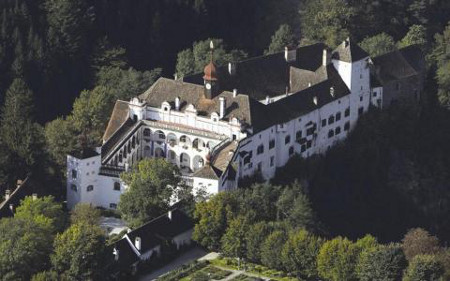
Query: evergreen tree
271, 250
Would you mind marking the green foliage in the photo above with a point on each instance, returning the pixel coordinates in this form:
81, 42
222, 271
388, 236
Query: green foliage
79, 252
294, 207
271, 249
234, 240
419, 242
282, 38
337, 259
48, 276
124, 84
25, 246
255, 236
23, 147
69, 23
300, 252
86, 214
61, 139
42, 209
383, 263
378, 45
327, 21
212, 219
194, 60
416, 35
424, 268
441, 56
90, 114
152, 183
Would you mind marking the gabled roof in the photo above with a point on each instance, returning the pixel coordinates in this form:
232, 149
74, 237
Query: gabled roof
207, 172
266, 75
348, 51
160, 228
399, 64
168, 90
119, 115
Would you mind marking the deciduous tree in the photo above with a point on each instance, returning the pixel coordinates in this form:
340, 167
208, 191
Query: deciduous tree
424, 268
378, 45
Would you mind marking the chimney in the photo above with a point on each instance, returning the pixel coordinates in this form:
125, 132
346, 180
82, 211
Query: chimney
19, 183
137, 243
175, 76
7, 194
290, 54
169, 215
116, 254
11, 207
234, 93
309, 84
332, 91
267, 99
34, 196
222, 103
232, 68
315, 100
326, 57
177, 103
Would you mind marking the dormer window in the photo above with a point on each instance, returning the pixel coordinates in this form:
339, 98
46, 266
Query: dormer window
165, 106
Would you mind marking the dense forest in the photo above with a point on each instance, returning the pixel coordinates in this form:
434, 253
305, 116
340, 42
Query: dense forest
65, 62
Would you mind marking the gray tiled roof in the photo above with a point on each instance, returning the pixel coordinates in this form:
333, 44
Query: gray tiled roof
349, 51
398, 64
119, 115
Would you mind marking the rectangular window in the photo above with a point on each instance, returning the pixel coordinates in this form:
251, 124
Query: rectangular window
272, 161
330, 133
248, 158
260, 149
298, 135
338, 116
310, 131
117, 186
271, 144
291, 150
360, 98
113, 206
260, 166
287, 139
74, 174
331, 120
74, 187
324, 122
374, 94
347, 126
347, 112
337, 131
309, 144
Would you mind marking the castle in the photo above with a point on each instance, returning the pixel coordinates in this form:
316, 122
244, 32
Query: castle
243, 118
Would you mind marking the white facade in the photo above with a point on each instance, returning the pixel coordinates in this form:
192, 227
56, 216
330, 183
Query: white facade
186, 138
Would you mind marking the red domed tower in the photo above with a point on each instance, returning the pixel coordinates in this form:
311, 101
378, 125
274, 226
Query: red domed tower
210, 78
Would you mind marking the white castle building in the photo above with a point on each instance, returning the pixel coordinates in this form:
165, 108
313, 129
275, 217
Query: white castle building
244, 118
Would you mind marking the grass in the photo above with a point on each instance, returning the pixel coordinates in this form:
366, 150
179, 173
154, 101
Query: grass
256, 269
